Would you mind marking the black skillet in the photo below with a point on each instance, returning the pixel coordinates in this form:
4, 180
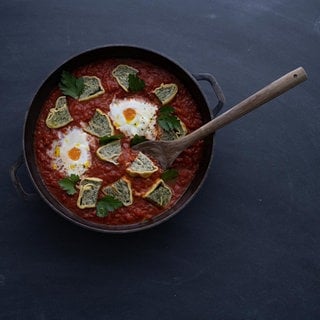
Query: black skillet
117, 51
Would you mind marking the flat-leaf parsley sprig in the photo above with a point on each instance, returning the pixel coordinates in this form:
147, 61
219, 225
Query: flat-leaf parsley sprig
107, 139
137, 139
68, 184
167, 120
107, 204
135, 83
169, 174
71, 85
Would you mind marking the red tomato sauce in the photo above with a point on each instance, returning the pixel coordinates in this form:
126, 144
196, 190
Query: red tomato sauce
186, 164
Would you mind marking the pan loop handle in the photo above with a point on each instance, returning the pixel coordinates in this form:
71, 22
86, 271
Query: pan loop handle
216, 89
16, 181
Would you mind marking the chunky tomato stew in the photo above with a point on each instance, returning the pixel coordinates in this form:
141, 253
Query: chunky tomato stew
86, 129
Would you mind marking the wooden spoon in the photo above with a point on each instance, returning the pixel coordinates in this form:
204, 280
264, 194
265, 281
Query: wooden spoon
167, 151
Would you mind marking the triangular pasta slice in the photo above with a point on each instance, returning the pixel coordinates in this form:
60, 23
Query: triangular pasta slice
166, 92
110, 152
92, 88
100, 125
59, 116
159, 194
121, 74
88, 195
142, 166
121, 190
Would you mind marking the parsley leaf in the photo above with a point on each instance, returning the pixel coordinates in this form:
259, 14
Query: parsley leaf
167, 120
106, 205
166, 110
68, 184
71, 85
137, 139
169, 174
107, 139
135, 83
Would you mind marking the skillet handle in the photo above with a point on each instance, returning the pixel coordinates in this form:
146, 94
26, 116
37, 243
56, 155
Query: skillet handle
17, 183
216, 89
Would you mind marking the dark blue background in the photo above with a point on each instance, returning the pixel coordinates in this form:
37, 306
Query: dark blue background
247, 247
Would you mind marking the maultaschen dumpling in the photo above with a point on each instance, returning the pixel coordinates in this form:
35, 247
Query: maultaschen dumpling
159, 194
59, 116
92, 88
88, 195
121, 74
142, 166
110, 152
99, 125
121, 190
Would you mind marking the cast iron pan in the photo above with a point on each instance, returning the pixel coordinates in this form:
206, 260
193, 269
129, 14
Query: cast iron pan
117, 51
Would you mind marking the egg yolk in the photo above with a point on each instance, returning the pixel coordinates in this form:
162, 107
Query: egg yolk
57, 151
74, 154
129, 114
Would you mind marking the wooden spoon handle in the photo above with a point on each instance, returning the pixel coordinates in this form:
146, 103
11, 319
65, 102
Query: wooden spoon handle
271, 91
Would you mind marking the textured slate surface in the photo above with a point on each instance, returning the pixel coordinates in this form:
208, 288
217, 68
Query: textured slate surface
247, 247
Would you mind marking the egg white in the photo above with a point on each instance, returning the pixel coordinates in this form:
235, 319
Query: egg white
142, 124
60, 152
